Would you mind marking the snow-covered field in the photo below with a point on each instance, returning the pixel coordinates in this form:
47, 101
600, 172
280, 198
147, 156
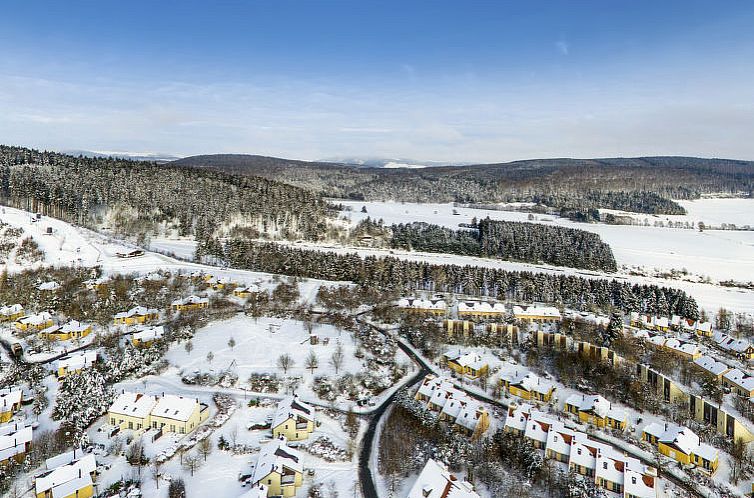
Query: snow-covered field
259, 343
721, 255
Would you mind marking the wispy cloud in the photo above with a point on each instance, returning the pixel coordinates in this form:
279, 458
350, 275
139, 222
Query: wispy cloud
562, 47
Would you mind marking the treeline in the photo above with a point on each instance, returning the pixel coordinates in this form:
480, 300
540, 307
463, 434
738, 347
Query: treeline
510, 240
644, 184
136, 197
405, 276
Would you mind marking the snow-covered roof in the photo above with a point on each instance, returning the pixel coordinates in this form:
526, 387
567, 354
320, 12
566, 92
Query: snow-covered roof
431, 384
559, 440
77, 361
422, 304
730, 343
638, 482
14, 309
74, 326
707, 452
471, 411
530, 382
274, 456
37, 319
471, 360
136, 311
546, 311
711, 365
67, 473
136, 405
292, 407
480, 307
610, 466
190, 300
584, 450
13, 439
48, 286
175, 407
682, 347
10, 397
435, 481
740, 379
598, 405
661, 321
518, 416
539, 425
147, 334
681, 437
249, 288
704, 326
657, 340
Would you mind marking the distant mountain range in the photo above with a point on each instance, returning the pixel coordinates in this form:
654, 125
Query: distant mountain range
136, 156
394, 163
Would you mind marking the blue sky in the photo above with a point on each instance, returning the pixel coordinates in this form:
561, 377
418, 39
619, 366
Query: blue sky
451, 81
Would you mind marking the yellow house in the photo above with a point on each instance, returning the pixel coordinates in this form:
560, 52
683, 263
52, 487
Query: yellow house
279, 468
10, 403
178, 414
15, 442
712, 367
597, 411
682, 445
190, 303
221, 283
131, 411
739, 382
245, 292
436, 307
11, 313
469, 365
75, 363
480, 309
293, 420
34, 322
685, 350
147, 336
70, 475
136, 315
71, 330
537, 314
528, 386
169, 413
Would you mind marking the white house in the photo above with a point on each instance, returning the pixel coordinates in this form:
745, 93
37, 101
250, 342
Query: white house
435, 481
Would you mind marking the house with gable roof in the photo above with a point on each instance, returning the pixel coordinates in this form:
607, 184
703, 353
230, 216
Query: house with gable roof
596, 410
279, 468
69, 475
15, 442
469, 365
436, 481
293, 419
528, 386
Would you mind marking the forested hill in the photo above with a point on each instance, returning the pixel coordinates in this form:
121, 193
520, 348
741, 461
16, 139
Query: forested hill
634, 184
136, 197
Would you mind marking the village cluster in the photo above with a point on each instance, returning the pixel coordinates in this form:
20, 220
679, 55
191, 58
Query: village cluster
602, 441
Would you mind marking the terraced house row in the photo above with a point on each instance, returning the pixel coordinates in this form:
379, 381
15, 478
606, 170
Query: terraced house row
467, 415
608, 468
722, 417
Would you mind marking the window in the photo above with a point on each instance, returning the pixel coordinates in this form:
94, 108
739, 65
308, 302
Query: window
604, 465
633, 480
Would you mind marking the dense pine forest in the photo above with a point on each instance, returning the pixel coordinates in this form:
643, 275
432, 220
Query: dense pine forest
643, 185
135, 197
405, 276
510, 240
